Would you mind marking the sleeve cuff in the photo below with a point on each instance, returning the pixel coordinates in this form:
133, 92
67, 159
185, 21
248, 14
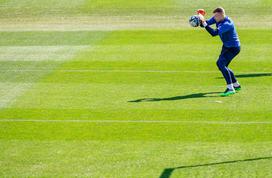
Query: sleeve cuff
205, 24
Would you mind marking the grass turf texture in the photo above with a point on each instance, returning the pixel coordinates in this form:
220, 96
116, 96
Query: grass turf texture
131, 75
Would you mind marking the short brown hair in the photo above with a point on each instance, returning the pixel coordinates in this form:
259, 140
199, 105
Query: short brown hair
219, 10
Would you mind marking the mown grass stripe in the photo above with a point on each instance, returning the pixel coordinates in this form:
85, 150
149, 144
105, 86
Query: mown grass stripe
120, 71
140, 121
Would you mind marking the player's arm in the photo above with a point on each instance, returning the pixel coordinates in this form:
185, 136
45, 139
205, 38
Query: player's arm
213, 32
222, 29
211, 21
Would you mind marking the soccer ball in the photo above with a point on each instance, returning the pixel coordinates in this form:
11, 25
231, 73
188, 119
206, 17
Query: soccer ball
194, 21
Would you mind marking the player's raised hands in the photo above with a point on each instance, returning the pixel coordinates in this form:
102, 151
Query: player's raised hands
201, 18
201, 11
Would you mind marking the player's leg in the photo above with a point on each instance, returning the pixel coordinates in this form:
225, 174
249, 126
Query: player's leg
235, 82
222, 66
229, 55
233, 78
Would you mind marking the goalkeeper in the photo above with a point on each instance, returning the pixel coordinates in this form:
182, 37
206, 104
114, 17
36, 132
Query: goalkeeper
231, 45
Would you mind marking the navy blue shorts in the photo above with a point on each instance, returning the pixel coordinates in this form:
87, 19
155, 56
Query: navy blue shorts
227, 54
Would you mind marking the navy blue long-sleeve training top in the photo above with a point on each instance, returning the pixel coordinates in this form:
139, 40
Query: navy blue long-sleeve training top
226, 30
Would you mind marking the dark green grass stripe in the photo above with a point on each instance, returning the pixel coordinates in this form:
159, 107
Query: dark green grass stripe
47, 38
135, 131
50, 38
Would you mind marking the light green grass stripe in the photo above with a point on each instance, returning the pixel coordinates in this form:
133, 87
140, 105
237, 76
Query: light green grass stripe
125, 71
139, 121
107, 71
39, 53
113, 23
34, 53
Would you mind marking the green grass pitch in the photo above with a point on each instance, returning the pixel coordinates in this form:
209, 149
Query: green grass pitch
119, 88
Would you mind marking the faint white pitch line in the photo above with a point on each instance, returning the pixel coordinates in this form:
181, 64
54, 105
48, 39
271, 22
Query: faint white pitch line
140, 121
118, 71
109, 71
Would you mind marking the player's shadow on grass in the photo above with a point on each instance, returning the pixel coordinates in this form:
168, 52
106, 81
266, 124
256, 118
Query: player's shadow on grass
169, 171
183, 97
253, 75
